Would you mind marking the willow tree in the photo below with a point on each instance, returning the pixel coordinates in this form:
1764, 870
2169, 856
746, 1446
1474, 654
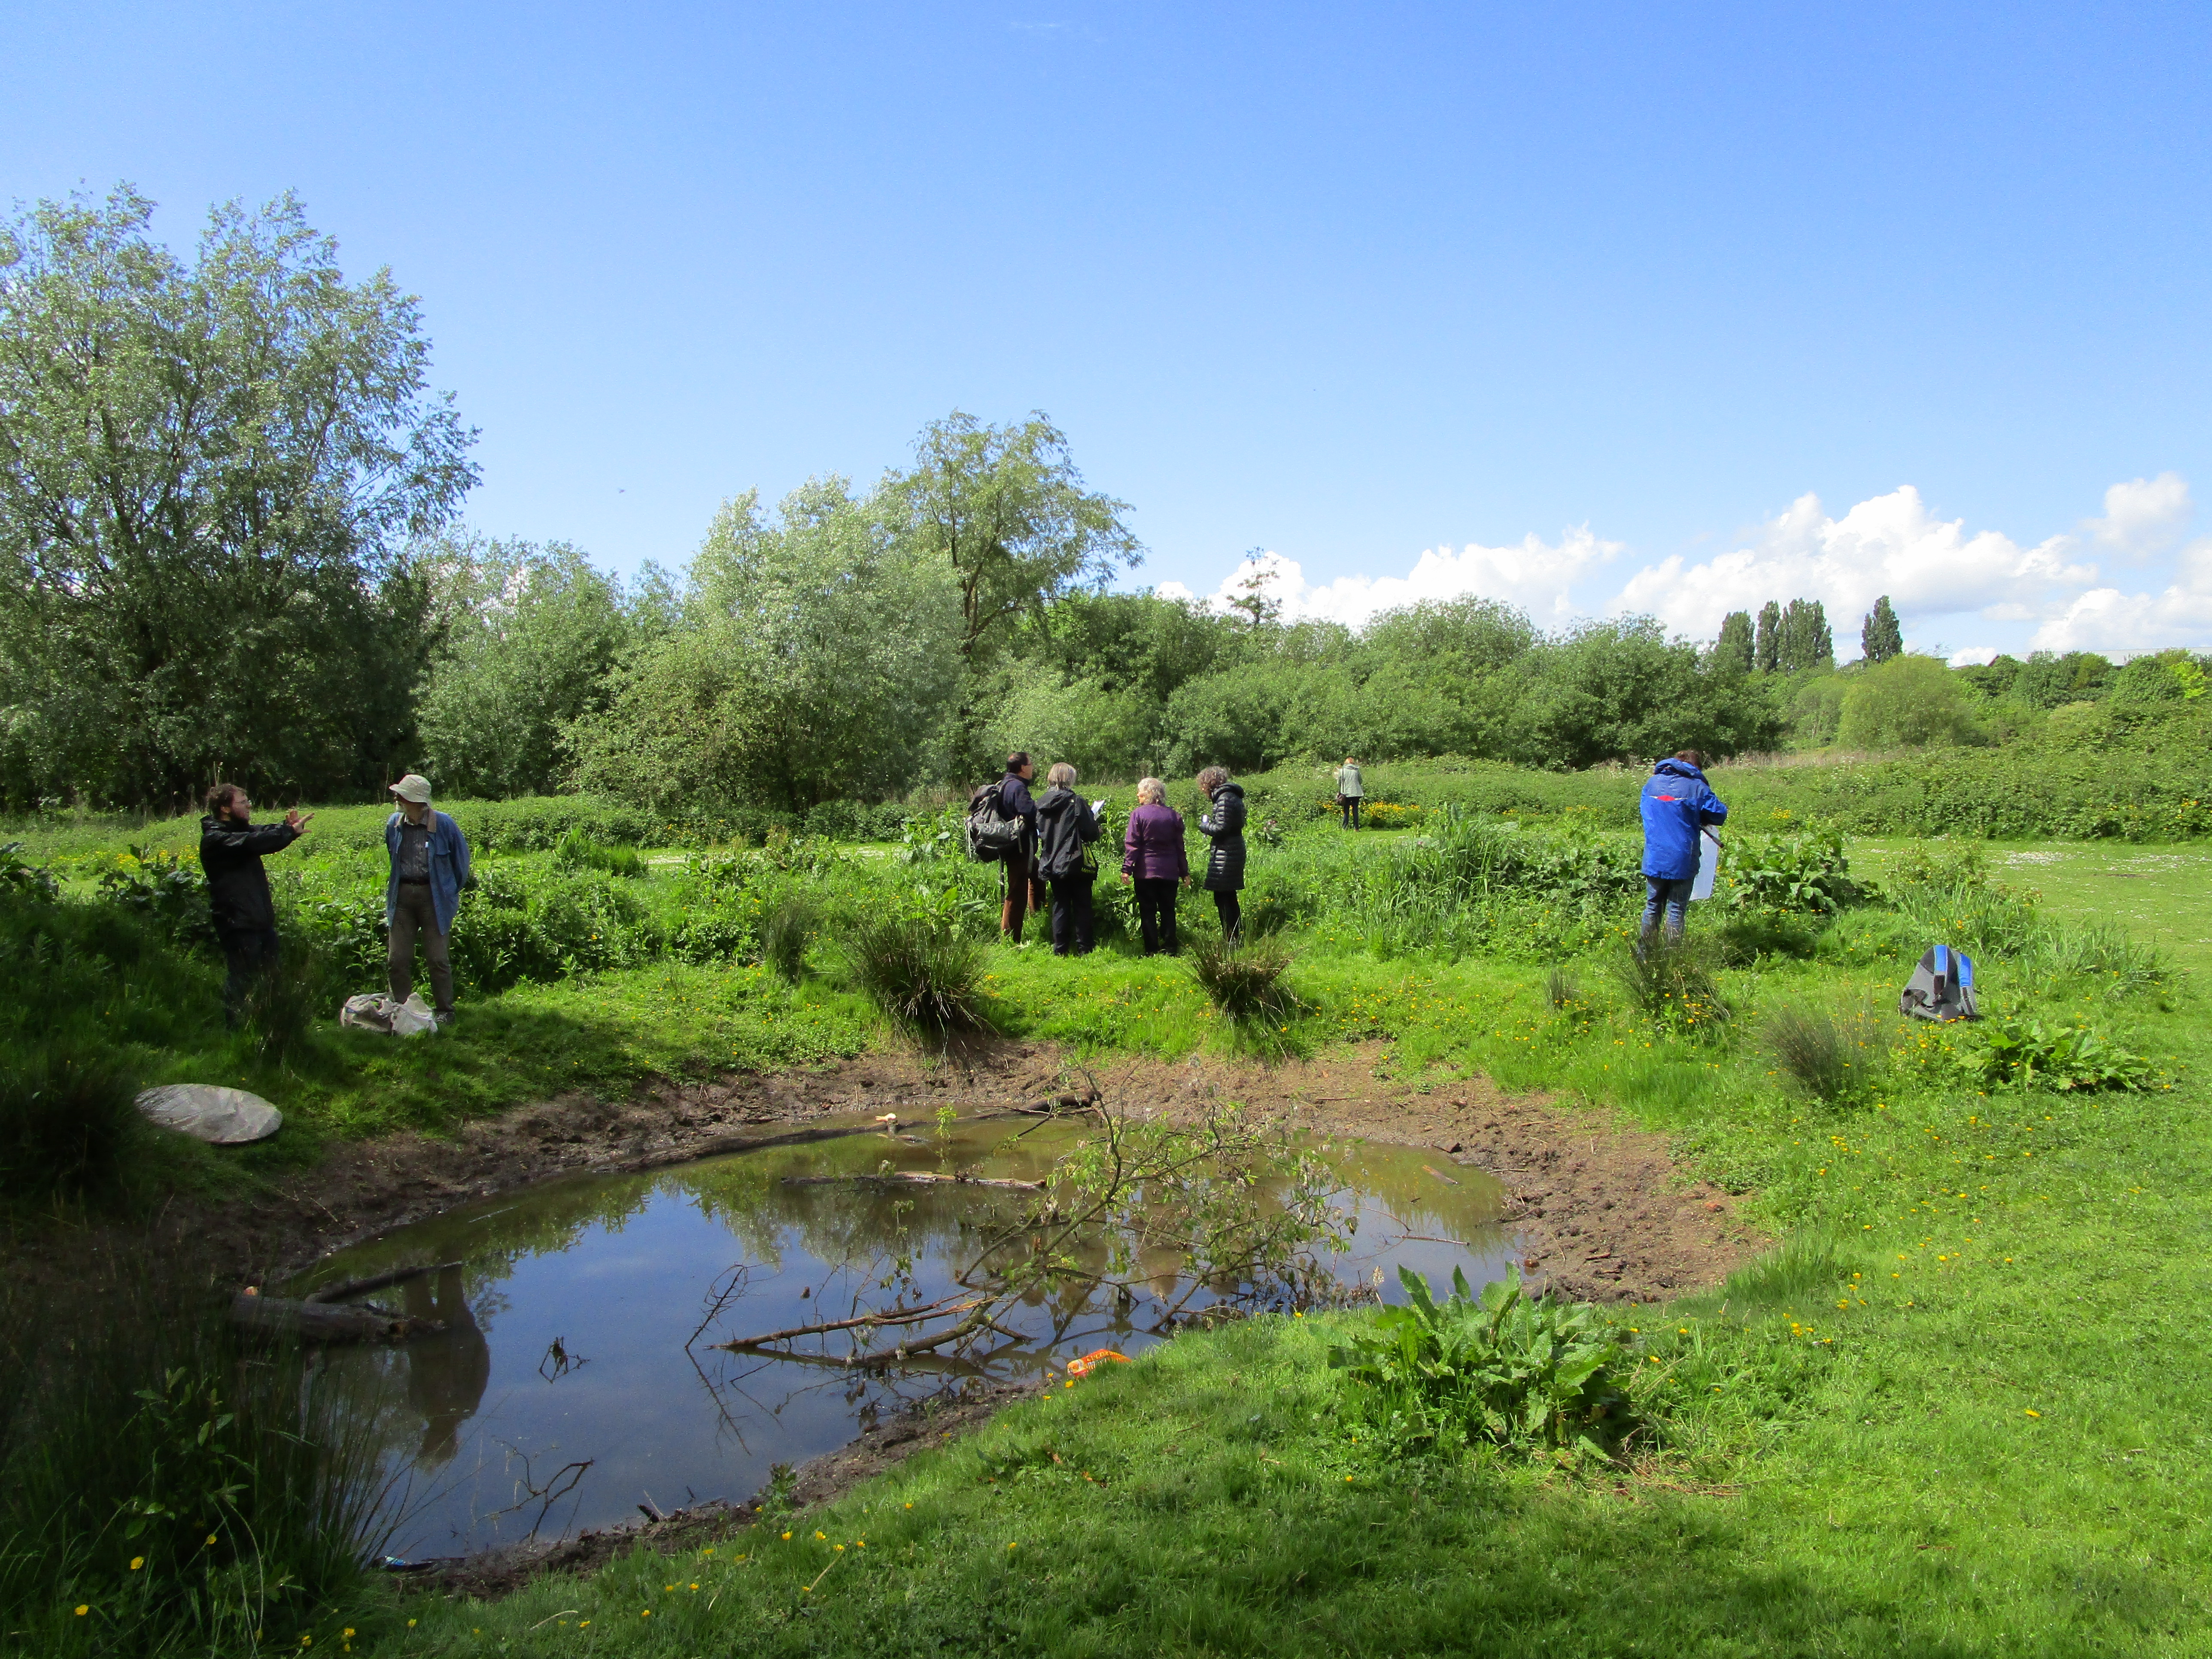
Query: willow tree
209, 469
1006, 512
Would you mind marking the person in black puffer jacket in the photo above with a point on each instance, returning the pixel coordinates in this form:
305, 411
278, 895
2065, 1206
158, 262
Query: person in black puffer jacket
1065, 825
1225, 864
231, 846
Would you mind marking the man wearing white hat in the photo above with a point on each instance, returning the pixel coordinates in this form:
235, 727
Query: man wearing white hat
429, 867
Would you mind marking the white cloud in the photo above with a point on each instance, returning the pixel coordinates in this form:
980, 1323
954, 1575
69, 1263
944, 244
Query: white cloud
1974, 656
2105, 619
1929, 567
1535, 575
2143, 516
2049, 595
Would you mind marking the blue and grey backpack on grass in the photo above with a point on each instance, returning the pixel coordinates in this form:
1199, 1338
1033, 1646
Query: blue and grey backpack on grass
992, 833
1942, 988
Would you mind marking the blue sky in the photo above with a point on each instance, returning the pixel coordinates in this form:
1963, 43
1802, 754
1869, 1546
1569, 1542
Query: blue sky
1592, 307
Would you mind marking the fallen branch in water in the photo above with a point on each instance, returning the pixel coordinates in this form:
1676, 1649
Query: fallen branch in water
888, 1317
893, 1177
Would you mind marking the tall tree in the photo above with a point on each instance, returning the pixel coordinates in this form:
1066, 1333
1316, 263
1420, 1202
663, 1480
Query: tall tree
813, 659
1768, 647
1880, 636
1253, 601
208, 473
1735, 652
1005, 508
528, 640
1805, 642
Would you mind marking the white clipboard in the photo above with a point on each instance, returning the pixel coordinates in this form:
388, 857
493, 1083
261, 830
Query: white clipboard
1709, 865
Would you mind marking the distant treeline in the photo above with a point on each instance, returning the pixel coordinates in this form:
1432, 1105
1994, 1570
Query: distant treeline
227, 498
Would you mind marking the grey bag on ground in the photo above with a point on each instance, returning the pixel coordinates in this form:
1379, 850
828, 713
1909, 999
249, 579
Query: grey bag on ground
1942, 988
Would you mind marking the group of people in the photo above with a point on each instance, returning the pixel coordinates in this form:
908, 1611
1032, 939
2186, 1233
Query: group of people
429, 866
1052, 864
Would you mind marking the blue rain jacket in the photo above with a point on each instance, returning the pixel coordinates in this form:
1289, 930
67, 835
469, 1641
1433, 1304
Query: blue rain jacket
1677, 803
449, 867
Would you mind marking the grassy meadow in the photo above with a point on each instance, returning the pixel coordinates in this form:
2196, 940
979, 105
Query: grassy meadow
1960, 1409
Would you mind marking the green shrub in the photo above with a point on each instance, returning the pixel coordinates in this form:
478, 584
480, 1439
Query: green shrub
1829, 1058
785, 935
67, 1120
2028, 1053
19, 874
1805, 872
1675, 983
2100, 957
1244, 981
925, 978
165, 889
1982, 919
1503, 1369
577, 851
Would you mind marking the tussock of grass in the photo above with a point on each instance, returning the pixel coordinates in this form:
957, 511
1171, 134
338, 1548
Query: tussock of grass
1830, 1058
924, 977
1244, 980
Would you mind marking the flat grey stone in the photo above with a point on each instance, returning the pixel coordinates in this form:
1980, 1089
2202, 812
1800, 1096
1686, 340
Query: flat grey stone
228, 1117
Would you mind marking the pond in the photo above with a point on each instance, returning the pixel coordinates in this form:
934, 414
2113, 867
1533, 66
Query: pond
574, 1380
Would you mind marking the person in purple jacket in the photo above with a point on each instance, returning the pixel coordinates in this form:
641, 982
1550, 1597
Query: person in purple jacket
1152, 856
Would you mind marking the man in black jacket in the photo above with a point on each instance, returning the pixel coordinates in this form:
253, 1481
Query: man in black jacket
231, 849
1025, 888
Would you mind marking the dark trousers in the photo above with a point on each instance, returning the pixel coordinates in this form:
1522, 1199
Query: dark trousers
1349, 806
1671, 896
413, 914
1070, 913
1231, 914
1156, 916
1025, 892
249, 953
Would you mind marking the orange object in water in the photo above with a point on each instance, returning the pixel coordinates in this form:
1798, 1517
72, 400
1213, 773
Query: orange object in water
1091, 1361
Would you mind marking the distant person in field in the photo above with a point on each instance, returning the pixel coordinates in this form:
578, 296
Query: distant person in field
1678, 804
231, 846
1351, 789
1224, 825
1066, 826
1152, 857
429, 867
1025, 887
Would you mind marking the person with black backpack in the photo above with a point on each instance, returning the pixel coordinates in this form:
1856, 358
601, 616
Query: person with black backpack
1065, 827
1025, 888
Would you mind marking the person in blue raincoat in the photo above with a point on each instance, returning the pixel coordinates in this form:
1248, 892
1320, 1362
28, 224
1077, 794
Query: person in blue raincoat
429, 867
1678, 804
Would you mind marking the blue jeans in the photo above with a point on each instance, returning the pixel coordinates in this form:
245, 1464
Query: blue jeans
1673, 896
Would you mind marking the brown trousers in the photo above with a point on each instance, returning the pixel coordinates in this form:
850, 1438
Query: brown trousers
414, 914
1025, 892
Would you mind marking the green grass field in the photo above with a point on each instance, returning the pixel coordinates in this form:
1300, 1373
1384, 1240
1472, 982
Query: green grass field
1962, 1409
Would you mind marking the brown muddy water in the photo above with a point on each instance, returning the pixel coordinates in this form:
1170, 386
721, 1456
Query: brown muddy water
574, 1380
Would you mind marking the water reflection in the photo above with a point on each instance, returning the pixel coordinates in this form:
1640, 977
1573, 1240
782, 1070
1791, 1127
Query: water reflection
577, 1375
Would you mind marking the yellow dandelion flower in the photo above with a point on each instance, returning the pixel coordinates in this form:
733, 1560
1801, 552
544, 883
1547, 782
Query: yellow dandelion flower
136, 1562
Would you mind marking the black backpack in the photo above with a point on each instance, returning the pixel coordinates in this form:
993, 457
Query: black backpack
991, 833
1942, 988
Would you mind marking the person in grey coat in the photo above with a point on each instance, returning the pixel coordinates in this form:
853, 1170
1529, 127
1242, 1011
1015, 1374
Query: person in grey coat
1224, 825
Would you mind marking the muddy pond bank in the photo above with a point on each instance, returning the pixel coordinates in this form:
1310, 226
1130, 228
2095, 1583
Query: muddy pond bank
1602, 1211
